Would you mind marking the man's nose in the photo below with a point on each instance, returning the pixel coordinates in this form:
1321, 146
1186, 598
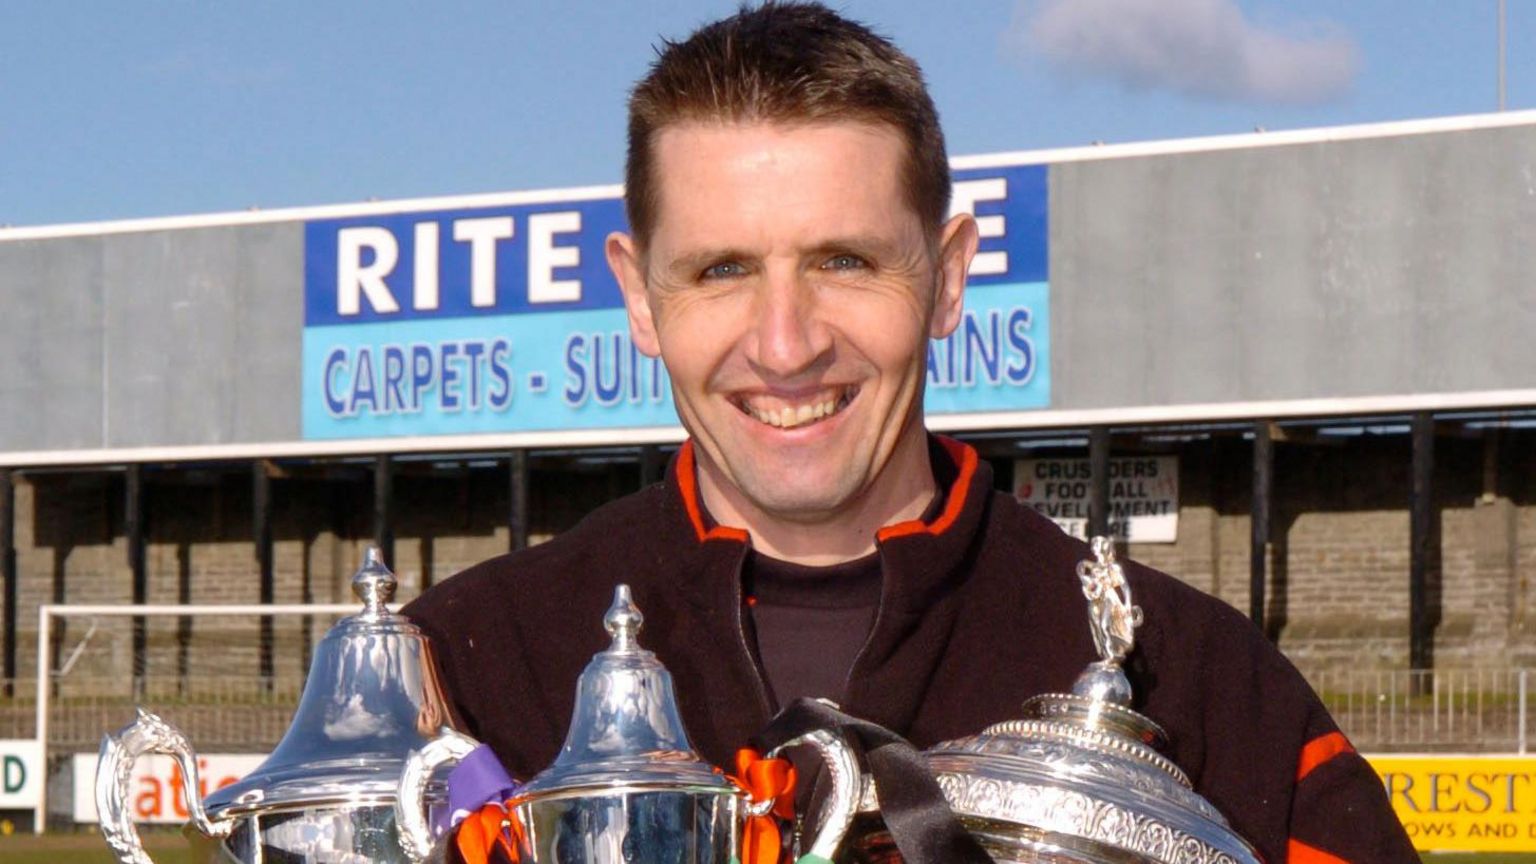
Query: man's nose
790, 333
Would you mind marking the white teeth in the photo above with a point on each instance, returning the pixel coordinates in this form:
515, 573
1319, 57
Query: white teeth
791, 416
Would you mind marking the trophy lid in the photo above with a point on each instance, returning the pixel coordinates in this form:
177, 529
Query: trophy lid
625, 728
371, 697
1080, 775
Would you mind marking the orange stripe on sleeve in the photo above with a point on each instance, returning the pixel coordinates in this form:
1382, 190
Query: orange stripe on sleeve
1320, 750
1297, 852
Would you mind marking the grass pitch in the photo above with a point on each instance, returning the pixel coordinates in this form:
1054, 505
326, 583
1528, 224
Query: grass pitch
169, 848
87, 848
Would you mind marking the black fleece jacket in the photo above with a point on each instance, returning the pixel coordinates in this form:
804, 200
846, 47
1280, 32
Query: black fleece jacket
980, 609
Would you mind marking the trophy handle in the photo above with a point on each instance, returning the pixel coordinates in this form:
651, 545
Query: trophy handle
450, 745
146, 734
843, 769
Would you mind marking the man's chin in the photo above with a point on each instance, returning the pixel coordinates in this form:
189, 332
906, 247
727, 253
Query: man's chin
789, 489
790, 502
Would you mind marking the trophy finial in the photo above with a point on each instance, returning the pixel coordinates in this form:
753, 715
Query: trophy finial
623, 621
1114, 619
1111, 614
374, 583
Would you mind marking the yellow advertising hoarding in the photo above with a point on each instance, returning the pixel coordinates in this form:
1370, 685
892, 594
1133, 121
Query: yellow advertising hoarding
1463, 803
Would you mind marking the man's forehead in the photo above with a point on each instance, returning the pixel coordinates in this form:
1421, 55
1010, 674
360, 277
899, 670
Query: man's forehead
712, 177
668, 139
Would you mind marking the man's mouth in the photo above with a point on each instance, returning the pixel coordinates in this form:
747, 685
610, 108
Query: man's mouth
789, 413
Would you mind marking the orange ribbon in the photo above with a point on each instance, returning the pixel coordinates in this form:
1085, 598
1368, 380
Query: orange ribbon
764, 780
483, 830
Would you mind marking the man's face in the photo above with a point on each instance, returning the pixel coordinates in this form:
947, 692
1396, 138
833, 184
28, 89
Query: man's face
791, 291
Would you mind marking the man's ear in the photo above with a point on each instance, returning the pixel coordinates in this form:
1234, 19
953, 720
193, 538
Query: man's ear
958, 241
628, 270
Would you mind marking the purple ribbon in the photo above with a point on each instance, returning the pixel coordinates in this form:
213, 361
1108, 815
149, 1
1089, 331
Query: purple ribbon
476, 781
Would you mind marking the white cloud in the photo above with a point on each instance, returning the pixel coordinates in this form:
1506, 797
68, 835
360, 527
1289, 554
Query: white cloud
1205, 48
353, 721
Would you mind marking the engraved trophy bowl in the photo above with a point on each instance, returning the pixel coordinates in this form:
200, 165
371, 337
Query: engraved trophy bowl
628, 786
1079, 778
326, 793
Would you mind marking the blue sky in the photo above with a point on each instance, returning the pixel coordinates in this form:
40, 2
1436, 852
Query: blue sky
112, 110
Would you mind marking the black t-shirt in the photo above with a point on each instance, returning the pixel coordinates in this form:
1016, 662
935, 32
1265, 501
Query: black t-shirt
811, 622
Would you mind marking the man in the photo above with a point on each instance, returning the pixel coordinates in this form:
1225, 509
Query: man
790, 257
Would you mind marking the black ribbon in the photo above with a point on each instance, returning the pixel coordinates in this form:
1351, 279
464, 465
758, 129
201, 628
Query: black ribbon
915, 812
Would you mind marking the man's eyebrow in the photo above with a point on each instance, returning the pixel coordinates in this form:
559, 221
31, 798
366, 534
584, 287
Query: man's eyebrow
877, 247
690, 264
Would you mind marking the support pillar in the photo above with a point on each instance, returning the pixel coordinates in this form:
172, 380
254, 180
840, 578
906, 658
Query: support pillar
1263, 484
650, 465
1098, 491
261, 531
383, 507
1421, 531
10, 576
517, 511
134, 528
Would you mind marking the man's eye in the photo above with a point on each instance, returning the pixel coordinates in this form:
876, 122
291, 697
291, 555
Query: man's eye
724, 270
844, 262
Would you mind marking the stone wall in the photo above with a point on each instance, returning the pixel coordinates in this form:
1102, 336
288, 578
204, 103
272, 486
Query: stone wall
1337, 595
70, 548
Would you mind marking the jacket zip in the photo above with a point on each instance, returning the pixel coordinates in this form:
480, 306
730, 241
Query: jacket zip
874, 626
764, 700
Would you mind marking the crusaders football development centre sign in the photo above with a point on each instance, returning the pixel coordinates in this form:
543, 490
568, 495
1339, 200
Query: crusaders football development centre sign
507, 319
1143, 495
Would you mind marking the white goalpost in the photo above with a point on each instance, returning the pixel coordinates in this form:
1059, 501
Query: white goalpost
45, 674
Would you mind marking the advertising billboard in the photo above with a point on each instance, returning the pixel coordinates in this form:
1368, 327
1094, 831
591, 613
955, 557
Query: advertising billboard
156, 792
21, 774
1463, 803
507, 319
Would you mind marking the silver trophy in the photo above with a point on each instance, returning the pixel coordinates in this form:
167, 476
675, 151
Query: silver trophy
1078, 779
628, 786
327, 793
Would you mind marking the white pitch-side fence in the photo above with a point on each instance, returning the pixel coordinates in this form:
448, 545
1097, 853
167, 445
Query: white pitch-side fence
237, 710
48, 678
1441, 710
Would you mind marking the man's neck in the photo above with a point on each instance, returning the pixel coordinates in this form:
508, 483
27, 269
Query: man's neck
831, 538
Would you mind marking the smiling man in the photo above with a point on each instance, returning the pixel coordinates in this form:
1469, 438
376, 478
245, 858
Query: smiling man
790, 257
792, 300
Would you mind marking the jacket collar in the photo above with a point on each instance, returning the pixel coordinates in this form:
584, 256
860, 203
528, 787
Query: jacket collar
956, 466
685, 477
923, 564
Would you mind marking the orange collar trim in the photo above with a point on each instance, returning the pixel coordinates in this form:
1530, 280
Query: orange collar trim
965, 457
687, 483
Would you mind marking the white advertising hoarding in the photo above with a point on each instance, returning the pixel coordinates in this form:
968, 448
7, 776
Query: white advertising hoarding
1143, 495
155, 789
21, 774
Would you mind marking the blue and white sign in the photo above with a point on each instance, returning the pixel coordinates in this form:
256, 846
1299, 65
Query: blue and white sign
506, 319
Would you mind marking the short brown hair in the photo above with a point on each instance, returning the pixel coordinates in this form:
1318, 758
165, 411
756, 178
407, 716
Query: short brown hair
786, 62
